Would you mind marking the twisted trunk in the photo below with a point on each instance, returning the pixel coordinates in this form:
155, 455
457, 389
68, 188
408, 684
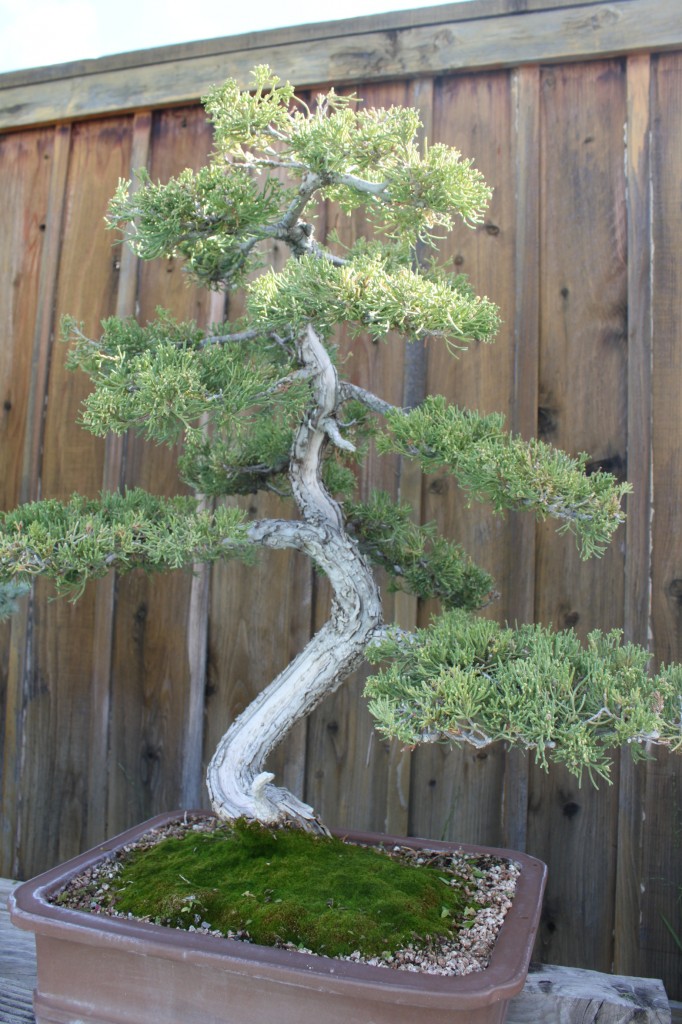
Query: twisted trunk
237, 784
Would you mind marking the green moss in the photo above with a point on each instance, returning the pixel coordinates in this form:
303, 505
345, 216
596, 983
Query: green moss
283, 886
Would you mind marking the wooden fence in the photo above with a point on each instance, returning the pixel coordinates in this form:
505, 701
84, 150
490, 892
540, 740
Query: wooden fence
572, 111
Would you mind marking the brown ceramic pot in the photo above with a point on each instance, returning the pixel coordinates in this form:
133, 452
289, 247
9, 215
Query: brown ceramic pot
101, 970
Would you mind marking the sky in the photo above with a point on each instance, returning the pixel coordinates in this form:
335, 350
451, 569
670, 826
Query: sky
34, 33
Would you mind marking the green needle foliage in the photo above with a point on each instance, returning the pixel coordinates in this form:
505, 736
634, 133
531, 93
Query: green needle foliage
469, 680
507, 472
418, 559
234, 399
71, 542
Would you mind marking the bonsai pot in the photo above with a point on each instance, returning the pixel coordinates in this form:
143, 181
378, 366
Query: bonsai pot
94, 969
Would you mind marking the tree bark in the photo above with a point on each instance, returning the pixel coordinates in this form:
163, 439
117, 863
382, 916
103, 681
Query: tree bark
237, 784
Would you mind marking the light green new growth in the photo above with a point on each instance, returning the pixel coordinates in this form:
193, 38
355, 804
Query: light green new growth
239, 397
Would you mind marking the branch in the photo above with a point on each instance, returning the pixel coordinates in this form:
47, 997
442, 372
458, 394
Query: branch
373, 188
350, 391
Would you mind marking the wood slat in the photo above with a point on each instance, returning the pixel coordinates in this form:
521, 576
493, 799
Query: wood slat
632, 783
25, 171
151, 670
583, 388
457, 793
525, 85
58, 679
105, 592
658, 861
472, 39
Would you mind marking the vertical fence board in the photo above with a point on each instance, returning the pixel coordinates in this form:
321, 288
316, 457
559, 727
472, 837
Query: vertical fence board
583, 390
151, 693
457, 793
660, 863
525, 98
26, 171
631, 827
105, 592
59, 675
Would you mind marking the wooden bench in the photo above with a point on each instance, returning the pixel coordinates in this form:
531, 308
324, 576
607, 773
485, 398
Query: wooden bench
552, 995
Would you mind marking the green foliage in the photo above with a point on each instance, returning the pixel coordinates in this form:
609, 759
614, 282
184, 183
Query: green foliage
359, 157
208, 218
468, 680
418, 559
287, 886
508, 472
71, 542
366, 293
161, 379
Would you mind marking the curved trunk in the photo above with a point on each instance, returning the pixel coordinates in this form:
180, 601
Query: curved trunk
237, 784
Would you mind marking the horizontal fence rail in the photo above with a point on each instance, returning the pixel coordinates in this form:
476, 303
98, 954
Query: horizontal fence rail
110, 707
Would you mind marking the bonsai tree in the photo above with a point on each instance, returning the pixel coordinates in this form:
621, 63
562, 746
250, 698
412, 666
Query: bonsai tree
264, 403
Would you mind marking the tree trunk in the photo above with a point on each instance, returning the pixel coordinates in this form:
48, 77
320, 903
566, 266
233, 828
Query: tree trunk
237, 784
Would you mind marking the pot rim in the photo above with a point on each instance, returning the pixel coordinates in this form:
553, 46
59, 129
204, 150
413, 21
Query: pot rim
502, 979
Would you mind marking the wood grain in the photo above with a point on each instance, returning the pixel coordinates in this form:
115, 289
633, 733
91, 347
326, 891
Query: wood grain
637, 611
658, 860
32, 186
152, 697
583, 388
106, 590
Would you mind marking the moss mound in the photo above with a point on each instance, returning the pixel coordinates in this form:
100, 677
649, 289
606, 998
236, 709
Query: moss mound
284, 886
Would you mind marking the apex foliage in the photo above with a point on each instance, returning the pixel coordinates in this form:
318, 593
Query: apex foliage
264, 403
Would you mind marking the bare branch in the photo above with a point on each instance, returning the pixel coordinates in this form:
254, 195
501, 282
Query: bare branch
350, 391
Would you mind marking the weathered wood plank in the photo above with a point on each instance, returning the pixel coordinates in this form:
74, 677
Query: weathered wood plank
105, 592
632, 791
150, 664
25, 174
409, 491
458, 793
562, 995
471, 40
276, 37
57, 687
525, 85
659, 864
583, 387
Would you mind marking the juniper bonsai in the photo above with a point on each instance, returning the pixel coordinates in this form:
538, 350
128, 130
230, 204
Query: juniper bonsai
263, 403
